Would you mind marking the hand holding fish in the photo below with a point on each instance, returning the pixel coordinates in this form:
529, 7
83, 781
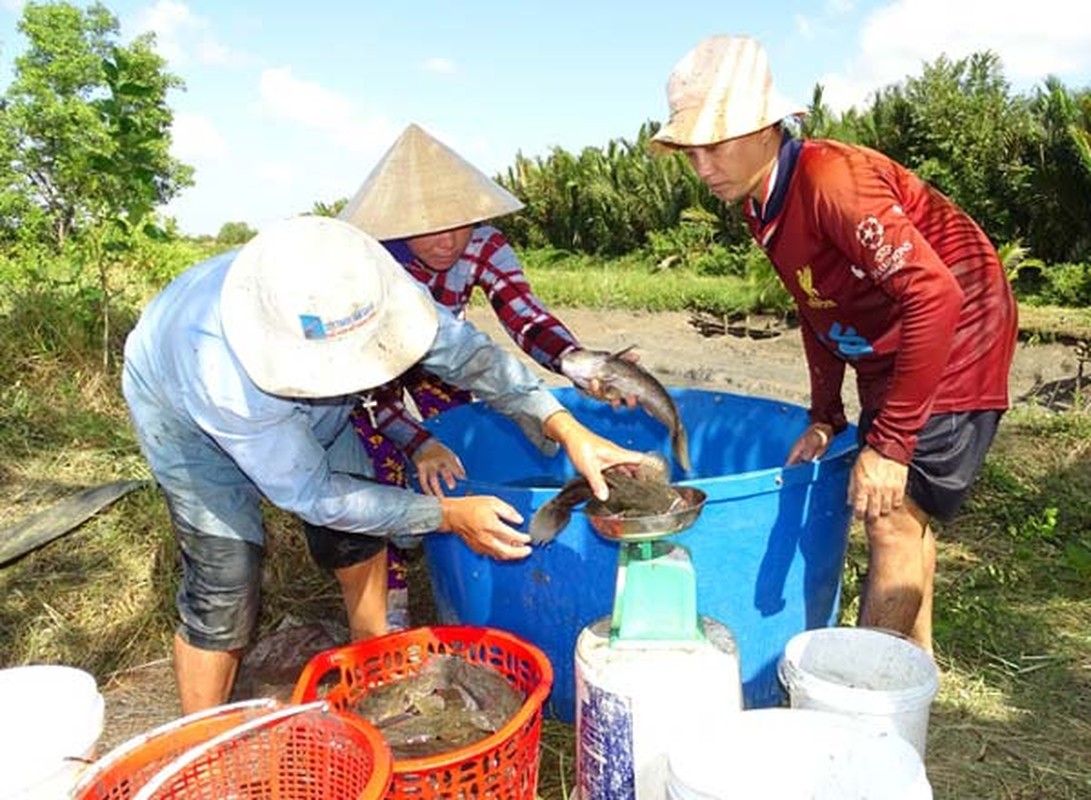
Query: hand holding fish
811, 444
617, 375
437, 466
481, 522
596, 386
590, 453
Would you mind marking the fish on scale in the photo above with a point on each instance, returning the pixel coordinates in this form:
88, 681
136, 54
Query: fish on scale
642, 491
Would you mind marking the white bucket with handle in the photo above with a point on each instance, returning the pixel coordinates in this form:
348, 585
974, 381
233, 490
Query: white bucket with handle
49, 729
873, 675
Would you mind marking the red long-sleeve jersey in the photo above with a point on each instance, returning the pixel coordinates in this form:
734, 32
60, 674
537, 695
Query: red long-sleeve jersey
891, 277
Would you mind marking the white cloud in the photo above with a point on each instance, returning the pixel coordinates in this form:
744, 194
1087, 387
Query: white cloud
195, 139
1032, 40
440, 66
284, 96
182, 36
836, 8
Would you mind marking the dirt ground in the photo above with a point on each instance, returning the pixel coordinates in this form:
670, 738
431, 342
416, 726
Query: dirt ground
683, 351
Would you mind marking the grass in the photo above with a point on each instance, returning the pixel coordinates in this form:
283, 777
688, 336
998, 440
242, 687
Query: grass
1013, 616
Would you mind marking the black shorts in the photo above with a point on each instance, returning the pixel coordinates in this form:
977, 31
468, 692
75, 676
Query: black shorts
950, 450
332, 549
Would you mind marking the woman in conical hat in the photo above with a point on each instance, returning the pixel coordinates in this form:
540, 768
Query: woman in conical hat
431, 209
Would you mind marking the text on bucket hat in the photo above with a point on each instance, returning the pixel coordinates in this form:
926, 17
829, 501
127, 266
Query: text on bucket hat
313, 307
422, 186
721, 89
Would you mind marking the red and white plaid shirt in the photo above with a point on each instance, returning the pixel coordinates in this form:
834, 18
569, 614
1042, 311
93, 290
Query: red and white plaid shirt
490, 263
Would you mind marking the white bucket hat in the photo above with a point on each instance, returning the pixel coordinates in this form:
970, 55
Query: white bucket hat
721, 89
313, 307
422, 186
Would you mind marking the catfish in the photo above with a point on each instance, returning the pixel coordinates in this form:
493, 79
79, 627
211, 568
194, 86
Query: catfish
621, 378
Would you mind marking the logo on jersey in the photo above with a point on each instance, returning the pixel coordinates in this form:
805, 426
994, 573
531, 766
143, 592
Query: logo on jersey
888, 258
849, 343
869, 232
806, 283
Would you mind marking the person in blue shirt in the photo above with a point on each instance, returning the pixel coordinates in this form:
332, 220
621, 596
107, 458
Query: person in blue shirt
240, 378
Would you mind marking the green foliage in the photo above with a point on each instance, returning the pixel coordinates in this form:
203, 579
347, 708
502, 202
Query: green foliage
607, 201
85, 126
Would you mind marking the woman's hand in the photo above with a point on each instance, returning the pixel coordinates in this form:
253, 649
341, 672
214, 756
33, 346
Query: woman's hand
437, 466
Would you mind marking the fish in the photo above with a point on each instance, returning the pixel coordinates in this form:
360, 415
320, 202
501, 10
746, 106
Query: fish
450, 703
641, 494
621, 378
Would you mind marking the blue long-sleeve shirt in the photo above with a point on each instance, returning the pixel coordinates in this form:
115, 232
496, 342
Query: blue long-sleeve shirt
187, 390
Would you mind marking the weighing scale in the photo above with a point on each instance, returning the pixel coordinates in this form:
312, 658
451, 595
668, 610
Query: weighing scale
655, 593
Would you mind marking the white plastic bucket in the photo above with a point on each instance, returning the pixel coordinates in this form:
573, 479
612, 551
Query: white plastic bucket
52, 719
872, 675
633, 700
791, 754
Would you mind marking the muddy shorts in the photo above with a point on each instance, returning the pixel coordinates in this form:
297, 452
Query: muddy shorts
950, 451
219, 596
332, 549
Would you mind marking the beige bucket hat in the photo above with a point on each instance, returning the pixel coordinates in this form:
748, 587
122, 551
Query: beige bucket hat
721, 89
422, 186
313, 307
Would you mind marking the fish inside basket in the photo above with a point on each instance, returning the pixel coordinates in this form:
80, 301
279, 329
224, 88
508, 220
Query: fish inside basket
460, 706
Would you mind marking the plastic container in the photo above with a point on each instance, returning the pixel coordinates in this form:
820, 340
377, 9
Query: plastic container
768, 548
304, 752
791, 754
502, 765
122, 772
49, 729
632, 700
879, 678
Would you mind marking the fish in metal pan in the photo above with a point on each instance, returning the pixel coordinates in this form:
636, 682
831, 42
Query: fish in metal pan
640, 493
621, 378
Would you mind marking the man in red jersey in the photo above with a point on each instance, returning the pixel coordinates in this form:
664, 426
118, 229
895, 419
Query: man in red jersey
888, 276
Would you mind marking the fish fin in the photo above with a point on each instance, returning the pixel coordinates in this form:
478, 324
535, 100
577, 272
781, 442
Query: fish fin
622, 351
552, 516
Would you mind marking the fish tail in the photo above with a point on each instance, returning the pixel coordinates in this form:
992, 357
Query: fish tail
680, 445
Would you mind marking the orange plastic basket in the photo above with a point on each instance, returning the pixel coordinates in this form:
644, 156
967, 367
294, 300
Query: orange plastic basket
122, 772
302, 752
503, 765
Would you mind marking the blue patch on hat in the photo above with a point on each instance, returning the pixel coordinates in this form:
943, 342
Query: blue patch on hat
312, 327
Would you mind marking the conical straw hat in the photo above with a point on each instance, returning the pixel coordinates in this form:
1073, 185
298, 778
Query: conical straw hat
422, 186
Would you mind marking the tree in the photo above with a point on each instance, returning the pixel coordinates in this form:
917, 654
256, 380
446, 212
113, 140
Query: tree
233, 233
87, 123
958, 127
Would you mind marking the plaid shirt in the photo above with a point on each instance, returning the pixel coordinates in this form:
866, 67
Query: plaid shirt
490, 263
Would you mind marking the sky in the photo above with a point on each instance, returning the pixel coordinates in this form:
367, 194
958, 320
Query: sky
291, 103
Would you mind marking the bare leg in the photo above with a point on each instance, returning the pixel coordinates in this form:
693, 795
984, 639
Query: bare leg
205, 677
363, 587
922, 627
901, 568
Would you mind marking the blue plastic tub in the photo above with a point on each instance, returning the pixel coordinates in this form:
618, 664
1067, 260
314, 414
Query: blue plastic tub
767, 549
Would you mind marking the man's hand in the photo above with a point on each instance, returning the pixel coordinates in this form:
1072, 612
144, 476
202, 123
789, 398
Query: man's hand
812, 443
877, 485
436, 466
589, 453
480, 521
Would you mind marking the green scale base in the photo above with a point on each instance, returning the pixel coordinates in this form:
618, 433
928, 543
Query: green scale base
655, 597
